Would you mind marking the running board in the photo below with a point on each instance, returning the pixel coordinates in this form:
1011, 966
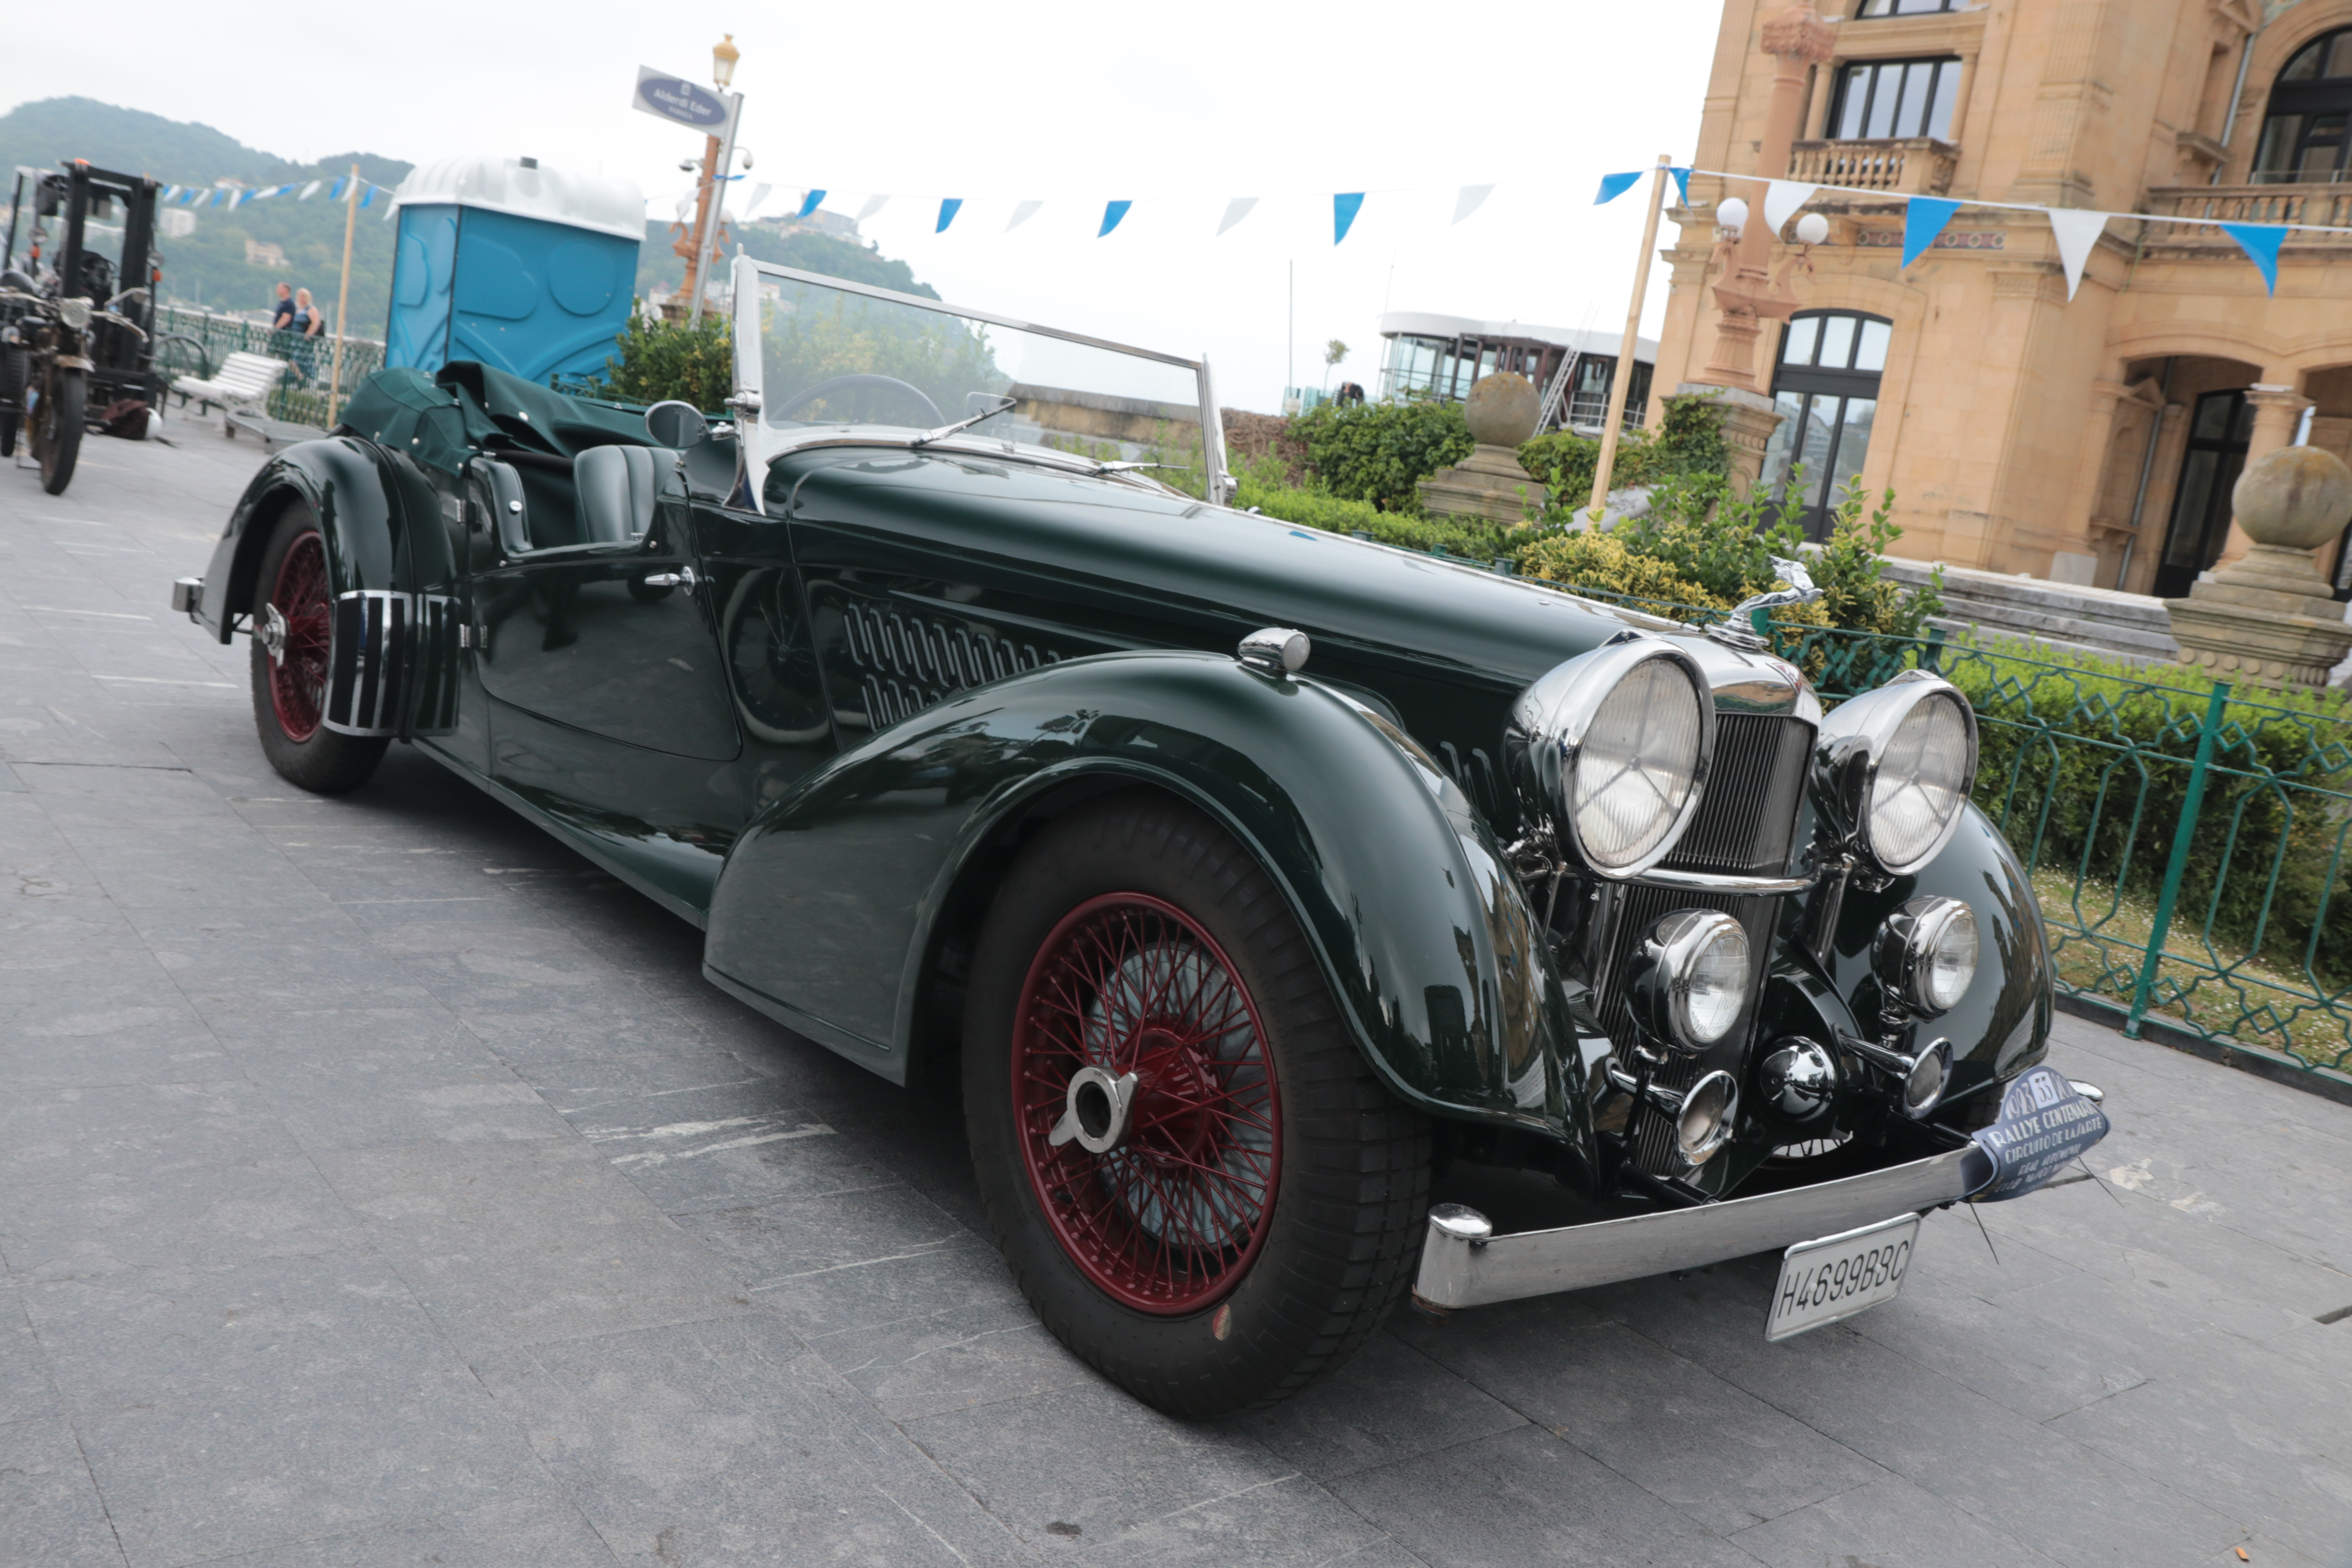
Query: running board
1462, 1265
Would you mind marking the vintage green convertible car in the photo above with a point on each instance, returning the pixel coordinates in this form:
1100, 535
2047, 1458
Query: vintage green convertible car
1250, 877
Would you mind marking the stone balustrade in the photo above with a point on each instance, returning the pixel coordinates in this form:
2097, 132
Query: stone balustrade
1915, 165
2330, 204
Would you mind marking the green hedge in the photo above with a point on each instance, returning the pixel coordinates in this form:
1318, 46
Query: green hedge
1687, 441
2085, 764
1379, 452
1261, 488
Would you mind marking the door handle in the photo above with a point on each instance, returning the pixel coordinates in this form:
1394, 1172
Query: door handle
683, 577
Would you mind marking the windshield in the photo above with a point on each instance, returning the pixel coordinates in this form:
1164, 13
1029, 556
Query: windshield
834, 355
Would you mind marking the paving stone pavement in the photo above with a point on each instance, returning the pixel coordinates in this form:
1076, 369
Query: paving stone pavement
380, 1184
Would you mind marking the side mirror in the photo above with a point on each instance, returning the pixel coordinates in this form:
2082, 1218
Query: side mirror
677, 425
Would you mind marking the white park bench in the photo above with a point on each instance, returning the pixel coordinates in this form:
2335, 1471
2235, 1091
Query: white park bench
241, 384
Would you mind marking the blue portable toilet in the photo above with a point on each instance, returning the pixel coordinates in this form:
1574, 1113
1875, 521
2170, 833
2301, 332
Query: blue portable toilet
499, 260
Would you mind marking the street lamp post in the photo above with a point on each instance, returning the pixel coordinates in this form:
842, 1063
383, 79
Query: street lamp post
718, 160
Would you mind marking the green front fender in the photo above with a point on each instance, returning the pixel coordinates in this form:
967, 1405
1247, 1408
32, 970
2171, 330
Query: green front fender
357, 497
830, 907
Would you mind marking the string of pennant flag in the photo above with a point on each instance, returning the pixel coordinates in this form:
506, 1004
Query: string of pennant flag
234, 196
1344, 207
2076, 229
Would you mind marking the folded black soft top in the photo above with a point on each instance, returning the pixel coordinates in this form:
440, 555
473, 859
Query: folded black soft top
440, 420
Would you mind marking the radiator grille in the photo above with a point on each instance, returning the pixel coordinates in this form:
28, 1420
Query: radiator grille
1748, 814
1744, 826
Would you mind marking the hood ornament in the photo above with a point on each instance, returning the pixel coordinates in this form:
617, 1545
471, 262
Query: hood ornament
1733, 631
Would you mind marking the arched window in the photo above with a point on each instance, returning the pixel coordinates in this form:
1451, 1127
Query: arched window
2303, 133
1826, 386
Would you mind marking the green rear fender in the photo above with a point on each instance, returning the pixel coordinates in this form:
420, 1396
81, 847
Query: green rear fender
835, 906
357, 499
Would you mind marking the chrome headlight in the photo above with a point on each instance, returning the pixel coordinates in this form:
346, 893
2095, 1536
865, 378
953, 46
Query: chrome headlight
1690, 979
1613, 747
74, 314
1895, 766
1925, 954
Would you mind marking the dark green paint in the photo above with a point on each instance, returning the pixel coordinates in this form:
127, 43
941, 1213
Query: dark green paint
826, 751
1428, 944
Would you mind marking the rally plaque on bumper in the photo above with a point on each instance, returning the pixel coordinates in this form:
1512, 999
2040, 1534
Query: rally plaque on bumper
1831, 1279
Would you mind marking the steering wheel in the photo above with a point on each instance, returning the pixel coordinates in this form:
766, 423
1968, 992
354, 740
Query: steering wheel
844, 382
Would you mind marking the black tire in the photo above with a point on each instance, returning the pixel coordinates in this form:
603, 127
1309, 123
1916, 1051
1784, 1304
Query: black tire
12, 391
1351, 1169
307, 755
58, 438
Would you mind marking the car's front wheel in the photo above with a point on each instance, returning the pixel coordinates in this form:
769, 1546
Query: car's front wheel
1198, 1182
293, 651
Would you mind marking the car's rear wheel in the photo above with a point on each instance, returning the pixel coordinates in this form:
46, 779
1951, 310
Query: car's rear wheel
1198, 1182
293, 651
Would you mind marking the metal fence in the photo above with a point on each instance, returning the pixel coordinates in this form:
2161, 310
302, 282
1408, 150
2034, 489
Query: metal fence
2186, 840
189, 341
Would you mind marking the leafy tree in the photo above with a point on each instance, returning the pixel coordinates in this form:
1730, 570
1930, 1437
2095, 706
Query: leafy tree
693, 362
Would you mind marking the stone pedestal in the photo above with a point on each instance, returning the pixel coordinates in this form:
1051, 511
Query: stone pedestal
1748, 420
1501, 412
1488, 483
2270, 617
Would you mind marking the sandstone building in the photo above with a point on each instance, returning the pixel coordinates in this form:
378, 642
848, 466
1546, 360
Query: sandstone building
2091, 440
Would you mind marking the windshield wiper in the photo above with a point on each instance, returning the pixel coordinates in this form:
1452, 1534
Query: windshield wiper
944, 430
1102, 468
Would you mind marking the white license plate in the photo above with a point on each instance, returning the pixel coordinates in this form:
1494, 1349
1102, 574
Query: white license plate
1836, 1277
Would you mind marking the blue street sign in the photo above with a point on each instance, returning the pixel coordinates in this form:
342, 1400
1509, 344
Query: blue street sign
679, 100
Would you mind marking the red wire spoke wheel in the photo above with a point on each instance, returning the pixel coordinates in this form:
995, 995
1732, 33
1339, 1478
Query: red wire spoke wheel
297, 676
1196, 1178
1172, 1217
291, 619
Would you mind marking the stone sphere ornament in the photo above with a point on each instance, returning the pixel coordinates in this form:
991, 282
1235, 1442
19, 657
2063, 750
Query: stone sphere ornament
2298, 497
2271, 617
1501, 409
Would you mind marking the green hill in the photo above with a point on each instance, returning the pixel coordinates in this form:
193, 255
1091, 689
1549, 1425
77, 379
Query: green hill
212, 267
215, 266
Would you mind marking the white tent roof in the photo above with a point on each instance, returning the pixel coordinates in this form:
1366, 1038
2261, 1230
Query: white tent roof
505, 185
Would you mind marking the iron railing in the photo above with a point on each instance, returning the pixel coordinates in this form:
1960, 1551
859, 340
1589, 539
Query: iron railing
190, 342
2189, 842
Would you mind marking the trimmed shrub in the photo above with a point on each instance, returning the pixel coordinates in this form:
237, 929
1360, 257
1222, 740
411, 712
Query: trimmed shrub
1378, 452
694, 362
1263, 487
1687, 441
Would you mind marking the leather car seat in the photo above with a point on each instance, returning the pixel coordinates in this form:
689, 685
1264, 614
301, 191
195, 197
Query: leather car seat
506, 504
614, 488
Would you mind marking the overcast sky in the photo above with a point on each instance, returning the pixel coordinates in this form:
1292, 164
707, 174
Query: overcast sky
1177, 108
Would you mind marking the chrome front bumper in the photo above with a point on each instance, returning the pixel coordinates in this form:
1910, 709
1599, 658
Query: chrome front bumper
1461, 1268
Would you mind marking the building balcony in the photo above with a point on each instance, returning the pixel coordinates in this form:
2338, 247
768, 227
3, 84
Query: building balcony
2326, 204
1911, 166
